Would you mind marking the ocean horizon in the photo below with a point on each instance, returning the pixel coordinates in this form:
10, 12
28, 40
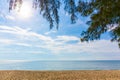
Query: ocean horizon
60, 65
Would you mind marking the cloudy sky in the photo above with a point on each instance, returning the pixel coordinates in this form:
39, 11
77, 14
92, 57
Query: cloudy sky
25, 35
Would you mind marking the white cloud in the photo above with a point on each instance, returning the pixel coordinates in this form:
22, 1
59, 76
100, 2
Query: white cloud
27, 38
9, 17
6, 41
67, 38
11, 61
22, 32
51, 31
112, 27
23, 44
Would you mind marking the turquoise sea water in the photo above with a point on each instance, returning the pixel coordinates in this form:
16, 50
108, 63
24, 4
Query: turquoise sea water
62, 65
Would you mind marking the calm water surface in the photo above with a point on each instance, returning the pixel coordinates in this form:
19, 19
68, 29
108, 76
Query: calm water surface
62, 65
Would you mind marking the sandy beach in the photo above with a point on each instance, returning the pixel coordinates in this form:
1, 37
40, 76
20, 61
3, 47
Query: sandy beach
60, 75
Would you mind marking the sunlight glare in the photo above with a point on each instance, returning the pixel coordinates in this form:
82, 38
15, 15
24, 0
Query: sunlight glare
25, 11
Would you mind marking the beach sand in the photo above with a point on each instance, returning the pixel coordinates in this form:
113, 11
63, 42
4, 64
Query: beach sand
60, 75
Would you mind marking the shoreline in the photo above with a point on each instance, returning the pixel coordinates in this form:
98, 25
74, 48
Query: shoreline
60, 75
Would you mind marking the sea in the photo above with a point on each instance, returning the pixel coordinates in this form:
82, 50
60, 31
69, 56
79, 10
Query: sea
61, 65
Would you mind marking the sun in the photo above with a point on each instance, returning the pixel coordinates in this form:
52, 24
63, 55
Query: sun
25, 10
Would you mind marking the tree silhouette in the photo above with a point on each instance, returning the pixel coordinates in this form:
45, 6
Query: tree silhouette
104, 15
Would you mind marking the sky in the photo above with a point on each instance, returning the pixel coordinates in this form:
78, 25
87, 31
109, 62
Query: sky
25, 35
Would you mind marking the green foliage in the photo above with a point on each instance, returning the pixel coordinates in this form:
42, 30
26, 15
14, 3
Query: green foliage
70, 7
104, 15
13, 4
49, 10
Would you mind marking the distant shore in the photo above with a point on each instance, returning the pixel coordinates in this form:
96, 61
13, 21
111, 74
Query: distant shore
60, 75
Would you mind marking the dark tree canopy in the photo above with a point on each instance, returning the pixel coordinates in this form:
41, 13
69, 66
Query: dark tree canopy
104, 15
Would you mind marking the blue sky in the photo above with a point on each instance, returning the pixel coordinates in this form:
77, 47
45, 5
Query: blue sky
26, 36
